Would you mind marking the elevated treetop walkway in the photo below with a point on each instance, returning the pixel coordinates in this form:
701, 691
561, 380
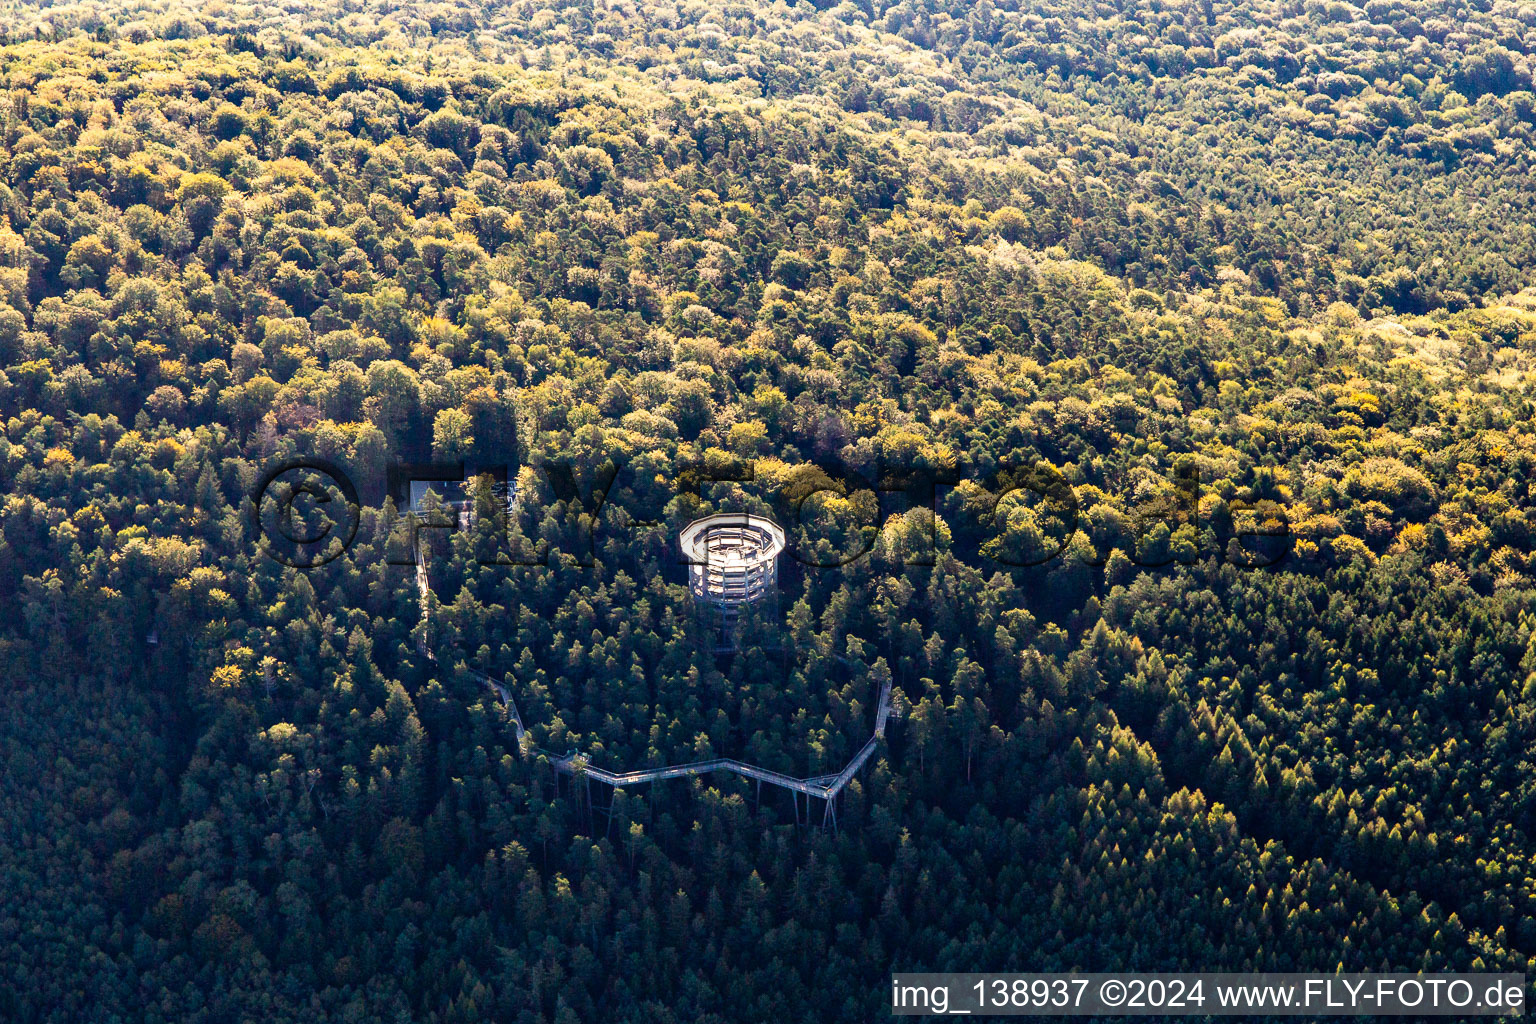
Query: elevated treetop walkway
823, 787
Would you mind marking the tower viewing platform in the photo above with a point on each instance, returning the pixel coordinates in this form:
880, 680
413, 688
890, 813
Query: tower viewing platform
732, 558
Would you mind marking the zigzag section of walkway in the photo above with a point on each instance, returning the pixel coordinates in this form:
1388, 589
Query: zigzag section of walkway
824, 787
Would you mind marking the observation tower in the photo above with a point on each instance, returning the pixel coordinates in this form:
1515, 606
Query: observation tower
732, 562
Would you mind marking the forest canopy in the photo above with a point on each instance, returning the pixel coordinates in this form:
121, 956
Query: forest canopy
1212, 326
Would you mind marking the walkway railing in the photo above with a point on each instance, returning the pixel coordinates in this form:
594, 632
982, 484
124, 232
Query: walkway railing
823, 787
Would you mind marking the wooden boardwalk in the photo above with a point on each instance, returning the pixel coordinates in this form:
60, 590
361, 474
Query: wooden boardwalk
822, 787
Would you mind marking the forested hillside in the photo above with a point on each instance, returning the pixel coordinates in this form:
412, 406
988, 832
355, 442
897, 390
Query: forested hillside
1213, 648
